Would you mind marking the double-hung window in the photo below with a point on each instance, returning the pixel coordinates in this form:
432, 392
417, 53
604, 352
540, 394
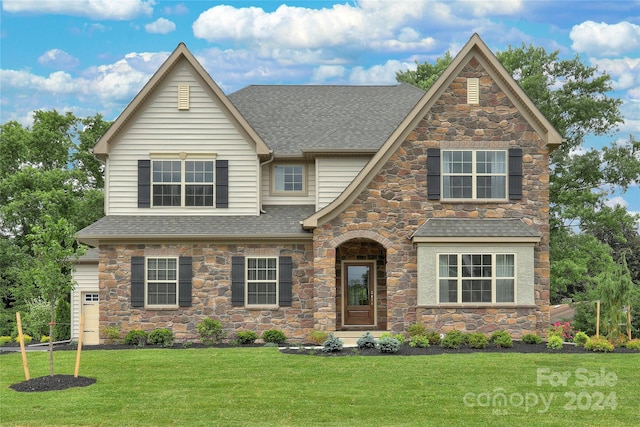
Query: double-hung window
288, 179
474, 174
162, 281
262, 281
476, 278
182, 182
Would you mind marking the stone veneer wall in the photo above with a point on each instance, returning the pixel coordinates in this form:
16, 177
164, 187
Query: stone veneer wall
211, 293
394, 205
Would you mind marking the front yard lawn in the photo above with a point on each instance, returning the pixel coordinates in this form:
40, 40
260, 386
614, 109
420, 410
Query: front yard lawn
261, 386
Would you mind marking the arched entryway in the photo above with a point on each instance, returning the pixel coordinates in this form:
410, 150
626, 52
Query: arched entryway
361, 285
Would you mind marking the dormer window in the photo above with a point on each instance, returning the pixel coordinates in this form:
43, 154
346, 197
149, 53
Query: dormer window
288, 179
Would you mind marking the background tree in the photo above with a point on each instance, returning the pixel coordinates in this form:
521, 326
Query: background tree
574, 98
46, 170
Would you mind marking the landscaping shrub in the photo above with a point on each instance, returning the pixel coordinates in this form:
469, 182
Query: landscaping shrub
26, 337
246, 337
531, 339
366, 341
433, 337
136, 337
419, 341
581, 339
633, 344
317, 337
388, 345
417, 329
112, 334
600, 344
163, 337
478, 340
5, 339
35, 321
502, 339
332, 344
210, 331
44, 338
400, 337
555, 342
563, 329
453, 339
274, 336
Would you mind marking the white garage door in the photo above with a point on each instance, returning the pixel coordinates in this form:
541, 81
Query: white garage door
90, 309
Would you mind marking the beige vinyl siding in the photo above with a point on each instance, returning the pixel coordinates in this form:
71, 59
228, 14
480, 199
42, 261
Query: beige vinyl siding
159, 127
86, 277
333, 176
283, 199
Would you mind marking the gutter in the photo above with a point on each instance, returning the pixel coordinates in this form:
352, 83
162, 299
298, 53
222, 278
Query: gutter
266, 162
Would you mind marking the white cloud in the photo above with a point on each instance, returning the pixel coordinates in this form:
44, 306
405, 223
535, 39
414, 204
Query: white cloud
327, 72
160, 26
495, 8
378, 74
179, 9
624, 72
93, 9
616, 201
605, 40
59, 59
331, 33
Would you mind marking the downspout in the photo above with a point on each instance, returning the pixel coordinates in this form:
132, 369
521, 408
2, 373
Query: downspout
266, 162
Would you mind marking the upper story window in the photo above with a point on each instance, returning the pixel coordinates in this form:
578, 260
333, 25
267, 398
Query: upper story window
476, 278
182, 182
288, 179
474, 174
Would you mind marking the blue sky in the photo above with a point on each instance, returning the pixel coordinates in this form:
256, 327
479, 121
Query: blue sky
93, 56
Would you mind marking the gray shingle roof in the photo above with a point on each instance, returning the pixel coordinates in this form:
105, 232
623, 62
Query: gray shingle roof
473, 228
292, 119
278, 222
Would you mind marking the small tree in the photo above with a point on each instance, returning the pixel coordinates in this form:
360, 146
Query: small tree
49, 274
615, 288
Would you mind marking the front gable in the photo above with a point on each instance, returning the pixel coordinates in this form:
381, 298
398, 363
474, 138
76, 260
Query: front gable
503, 117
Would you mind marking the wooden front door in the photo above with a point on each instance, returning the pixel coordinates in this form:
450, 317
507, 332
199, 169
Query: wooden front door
358, 293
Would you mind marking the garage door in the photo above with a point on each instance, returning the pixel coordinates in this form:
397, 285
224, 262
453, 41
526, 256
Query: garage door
90, 309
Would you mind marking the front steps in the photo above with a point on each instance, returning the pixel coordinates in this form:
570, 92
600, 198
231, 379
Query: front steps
350, 338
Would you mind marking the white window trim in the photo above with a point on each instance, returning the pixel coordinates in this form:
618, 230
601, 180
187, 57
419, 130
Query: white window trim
247, 281
275, 192
474, 176
460, 278
146, 283
183, 157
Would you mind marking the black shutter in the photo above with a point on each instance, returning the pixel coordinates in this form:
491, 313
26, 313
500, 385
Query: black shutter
144, 183
433, 173
285, 281
184, 281
515, 173
222, 183
137, 281
237, 281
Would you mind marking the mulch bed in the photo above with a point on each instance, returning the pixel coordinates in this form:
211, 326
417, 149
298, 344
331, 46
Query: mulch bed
50, 383
406, 350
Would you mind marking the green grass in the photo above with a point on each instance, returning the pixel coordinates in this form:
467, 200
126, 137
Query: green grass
260, 386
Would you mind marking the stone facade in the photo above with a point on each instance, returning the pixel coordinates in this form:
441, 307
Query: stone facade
211, 291
394, 205
377, 226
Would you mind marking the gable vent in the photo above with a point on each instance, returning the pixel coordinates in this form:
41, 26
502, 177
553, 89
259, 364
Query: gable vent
473, 91
183, 97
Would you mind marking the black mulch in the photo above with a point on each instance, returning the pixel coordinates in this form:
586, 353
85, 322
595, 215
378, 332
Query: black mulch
50, 383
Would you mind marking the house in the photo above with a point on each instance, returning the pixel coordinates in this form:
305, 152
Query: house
329, 208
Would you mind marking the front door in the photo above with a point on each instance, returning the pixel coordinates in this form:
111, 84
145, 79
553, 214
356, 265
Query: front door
358, 293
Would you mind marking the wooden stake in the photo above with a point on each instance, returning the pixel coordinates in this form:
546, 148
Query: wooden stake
79, 346
22, 350
598, 319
